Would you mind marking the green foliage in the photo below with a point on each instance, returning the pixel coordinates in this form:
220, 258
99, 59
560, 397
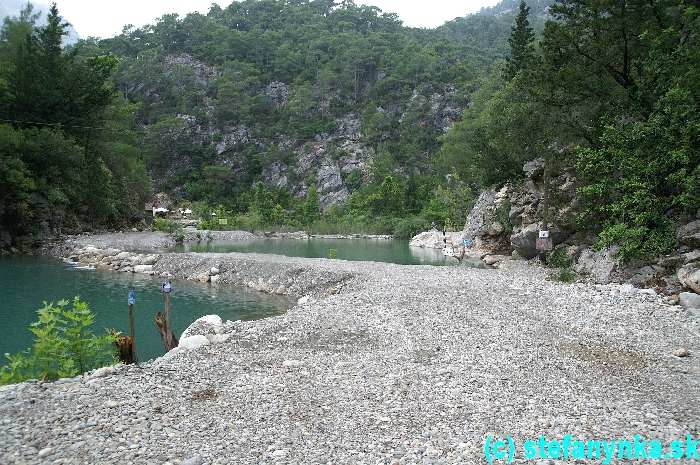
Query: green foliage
64, 345
166, 225
521, 40
311, 208
559, 258
565, 275
613, 91
503, 216
58, 174
332, 254
497, 134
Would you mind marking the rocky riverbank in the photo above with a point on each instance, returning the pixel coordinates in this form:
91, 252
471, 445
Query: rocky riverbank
378, 363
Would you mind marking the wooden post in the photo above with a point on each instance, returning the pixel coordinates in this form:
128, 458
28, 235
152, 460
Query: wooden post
132, 332
169, 334
163, 320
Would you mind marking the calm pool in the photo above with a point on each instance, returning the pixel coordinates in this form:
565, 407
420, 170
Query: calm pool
25, 282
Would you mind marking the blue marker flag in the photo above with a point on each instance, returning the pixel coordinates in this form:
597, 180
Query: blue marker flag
132, 297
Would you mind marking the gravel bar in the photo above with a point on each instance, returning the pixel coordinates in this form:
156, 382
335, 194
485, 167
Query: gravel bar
377, 364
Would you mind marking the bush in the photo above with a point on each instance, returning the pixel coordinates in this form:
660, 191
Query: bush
566, 275
64, 345
560, 259
164, 225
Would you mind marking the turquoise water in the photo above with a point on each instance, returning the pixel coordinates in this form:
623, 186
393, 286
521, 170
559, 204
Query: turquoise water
25, 282
391, 251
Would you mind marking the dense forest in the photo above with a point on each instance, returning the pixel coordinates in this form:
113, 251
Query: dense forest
332, 116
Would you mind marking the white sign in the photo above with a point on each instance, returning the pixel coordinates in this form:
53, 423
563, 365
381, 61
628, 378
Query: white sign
544, 234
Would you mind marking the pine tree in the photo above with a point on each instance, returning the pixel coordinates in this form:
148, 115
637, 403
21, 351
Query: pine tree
521, 39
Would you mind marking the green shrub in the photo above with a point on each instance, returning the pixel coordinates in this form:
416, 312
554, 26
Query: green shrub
332, 254
565, 275
559, 258
165, 225
64, 345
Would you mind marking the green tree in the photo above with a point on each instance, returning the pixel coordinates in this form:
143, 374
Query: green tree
521, 43
311, 210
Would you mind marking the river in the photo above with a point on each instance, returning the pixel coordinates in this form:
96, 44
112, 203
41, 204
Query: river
25, 282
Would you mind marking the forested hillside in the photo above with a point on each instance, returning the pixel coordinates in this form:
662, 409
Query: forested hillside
334, 116
303, 96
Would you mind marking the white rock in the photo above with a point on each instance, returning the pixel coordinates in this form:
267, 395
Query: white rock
193, 342
45, 451
213, 271
434, 239
146, 269
303, 300
214, 279
681, 352
149, 260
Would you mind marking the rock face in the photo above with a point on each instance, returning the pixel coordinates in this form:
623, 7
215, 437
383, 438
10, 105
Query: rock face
337, 161
511, 217
482, 217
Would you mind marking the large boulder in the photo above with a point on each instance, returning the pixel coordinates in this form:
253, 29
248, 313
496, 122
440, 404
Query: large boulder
598, 265
433, 239
524, 241
689, 300
689, 234
689, 276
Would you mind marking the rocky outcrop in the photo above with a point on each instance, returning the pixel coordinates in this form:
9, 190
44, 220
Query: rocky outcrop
509, 218
277, 93
232, 138
203, 72
327, 161
488, 225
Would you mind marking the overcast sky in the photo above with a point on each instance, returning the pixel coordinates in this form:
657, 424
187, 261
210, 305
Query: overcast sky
104, 18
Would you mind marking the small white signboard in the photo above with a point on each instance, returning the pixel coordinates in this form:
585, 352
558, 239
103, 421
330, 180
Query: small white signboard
544, 234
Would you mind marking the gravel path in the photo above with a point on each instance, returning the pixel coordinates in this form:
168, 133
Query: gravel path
380, 363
